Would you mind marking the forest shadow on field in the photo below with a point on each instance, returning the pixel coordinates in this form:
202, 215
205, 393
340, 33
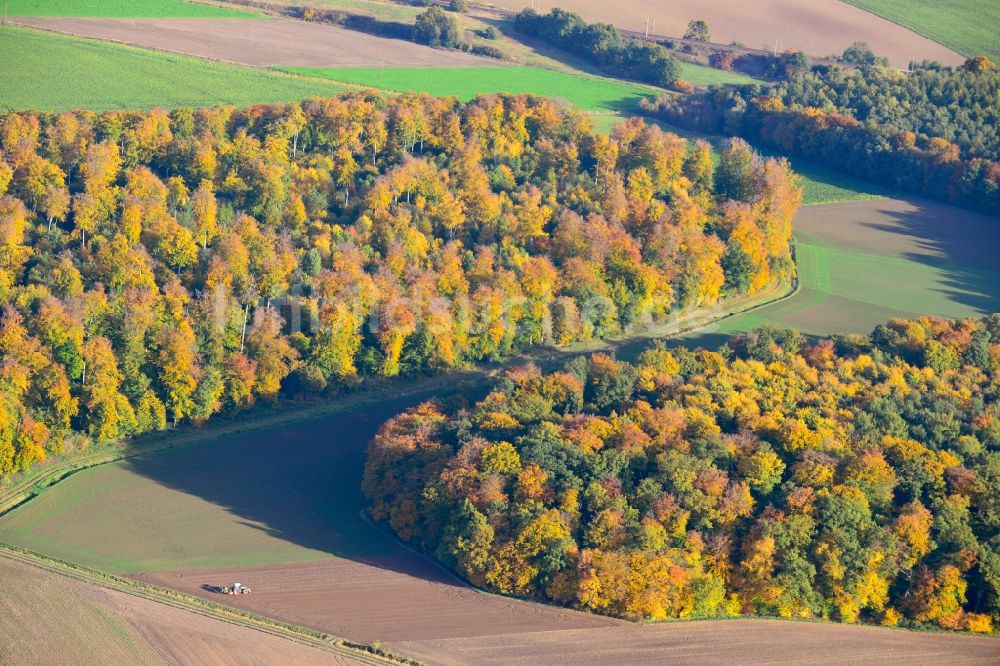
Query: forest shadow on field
299, 482
963, 246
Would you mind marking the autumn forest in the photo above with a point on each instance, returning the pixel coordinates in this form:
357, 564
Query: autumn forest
161, 267
852, 479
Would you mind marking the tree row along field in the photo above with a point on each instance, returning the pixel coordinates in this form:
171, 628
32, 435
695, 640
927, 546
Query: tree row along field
958, 24
90, 77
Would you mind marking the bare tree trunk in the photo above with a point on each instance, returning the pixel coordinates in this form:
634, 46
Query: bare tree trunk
243, 336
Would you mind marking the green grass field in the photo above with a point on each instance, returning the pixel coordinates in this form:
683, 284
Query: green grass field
121, 9
276, 494
866, 262
969, 27
821, 185
588, 93
708, 76
82, 73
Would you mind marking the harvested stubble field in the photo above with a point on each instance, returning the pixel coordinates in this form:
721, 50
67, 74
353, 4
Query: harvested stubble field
279, 510
818, 27
863, 262
46, 618
261, 43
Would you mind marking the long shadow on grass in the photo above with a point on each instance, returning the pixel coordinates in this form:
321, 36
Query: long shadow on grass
299, 482
963, 246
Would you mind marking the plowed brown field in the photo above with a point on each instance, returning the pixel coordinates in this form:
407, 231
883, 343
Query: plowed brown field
386, 599
274, 42
723, 643
419, 611
46, 618
818, 27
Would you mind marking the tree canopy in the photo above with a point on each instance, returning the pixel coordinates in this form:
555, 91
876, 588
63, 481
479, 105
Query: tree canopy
602, 44
933, 132
161, 267
851, 479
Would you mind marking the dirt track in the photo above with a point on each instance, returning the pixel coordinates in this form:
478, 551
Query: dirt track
818, 27
262, 43
48, 619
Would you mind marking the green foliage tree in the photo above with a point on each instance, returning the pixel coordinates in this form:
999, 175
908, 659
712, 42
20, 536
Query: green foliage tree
698, 30
435, 28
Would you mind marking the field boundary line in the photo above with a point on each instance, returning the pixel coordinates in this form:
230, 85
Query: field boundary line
361, 652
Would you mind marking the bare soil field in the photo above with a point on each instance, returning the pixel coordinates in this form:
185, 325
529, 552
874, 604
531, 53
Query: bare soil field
818, 27
419, 611
714, 642
261, 43
192, 518
401, 597
46, 618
